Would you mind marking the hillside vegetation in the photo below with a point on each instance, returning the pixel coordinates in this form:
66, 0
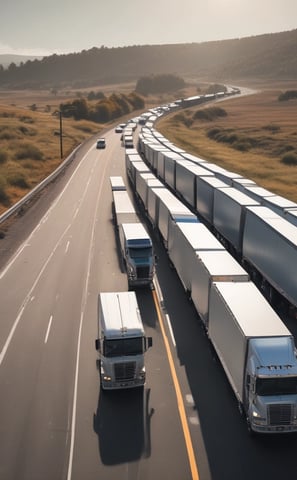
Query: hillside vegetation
30, 149
270, 56
255, 136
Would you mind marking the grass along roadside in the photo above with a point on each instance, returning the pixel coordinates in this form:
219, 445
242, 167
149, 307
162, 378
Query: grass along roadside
29, 135
30, 148
252, 138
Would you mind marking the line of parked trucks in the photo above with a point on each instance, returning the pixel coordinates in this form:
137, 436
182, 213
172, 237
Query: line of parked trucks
203, 214
255, 348
255, 225
121, 341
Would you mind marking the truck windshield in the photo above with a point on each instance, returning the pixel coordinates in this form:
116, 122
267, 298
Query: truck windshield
141, 252
124, 346
276, 386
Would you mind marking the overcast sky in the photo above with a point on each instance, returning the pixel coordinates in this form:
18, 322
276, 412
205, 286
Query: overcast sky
42, 27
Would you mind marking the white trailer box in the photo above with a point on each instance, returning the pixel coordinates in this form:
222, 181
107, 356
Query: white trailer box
170, 209
145, 182
121, 341
129, 160
258, 193
242, 183
229, 213
140, 184
169, 167
137, 167
160, 162
150, 151
169, 203
193, 158
154, 155
291, 216
184, 240
205, 188
209, 267
117, 183
279, 204
123, 209
270, 245
257, 353
186, 174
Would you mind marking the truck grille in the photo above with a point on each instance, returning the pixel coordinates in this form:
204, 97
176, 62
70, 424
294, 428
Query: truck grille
143, 272
125, 371
280, 414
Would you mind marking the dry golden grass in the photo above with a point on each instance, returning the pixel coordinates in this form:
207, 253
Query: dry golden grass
250, 117
30, 148
29, 144
269, 124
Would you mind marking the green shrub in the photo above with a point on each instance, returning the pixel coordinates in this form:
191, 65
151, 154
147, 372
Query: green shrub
3, 156
27, 150
18, 180
27, 131
4, 199
209, 114
213, 132
26, 119
243, 145
84, 128
271, 128
288, 95
8, 134
289, 159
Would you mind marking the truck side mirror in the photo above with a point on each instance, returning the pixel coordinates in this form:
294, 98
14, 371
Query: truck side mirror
97, 344
149, 342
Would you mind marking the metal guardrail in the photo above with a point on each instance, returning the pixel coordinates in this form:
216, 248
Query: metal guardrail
21, 203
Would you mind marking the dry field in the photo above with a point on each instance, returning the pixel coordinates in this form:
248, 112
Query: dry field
29, 135
252, 138
30, 146
266, 130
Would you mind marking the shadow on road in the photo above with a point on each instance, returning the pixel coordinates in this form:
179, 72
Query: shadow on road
122, 423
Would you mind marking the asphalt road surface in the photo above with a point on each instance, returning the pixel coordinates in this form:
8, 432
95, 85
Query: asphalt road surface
54, 422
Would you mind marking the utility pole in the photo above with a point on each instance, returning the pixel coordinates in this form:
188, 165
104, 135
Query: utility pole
61, 135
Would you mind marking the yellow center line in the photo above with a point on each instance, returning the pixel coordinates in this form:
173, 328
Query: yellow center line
180, 403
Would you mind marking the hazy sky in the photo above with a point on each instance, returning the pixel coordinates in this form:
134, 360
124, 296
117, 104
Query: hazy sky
42, 27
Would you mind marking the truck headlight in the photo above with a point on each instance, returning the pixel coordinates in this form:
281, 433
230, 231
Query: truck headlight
257, 418
131, 271
106, 378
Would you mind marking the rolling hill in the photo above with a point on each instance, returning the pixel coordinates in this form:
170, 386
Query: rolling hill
269, 56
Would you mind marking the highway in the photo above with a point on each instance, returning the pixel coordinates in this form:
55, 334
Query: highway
54, 422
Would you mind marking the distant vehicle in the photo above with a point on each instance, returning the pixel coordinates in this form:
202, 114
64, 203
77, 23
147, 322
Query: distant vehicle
101, 143
118, 129
128, 141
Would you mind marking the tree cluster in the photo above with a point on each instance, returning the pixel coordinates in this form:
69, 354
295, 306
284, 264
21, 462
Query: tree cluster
159, 84
288, 95
104, 110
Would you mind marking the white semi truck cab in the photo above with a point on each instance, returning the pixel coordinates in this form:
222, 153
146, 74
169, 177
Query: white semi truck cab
258, 354
271, 385
137, 252
121, 341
